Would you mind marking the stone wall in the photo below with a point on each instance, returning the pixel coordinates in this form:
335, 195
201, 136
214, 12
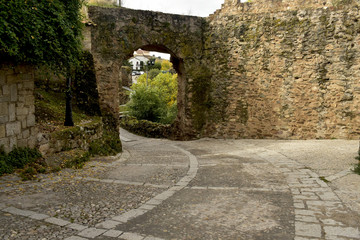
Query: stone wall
77, 137
17, 119
284, 72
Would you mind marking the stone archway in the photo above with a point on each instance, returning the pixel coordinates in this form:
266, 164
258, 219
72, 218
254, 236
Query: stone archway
117, 32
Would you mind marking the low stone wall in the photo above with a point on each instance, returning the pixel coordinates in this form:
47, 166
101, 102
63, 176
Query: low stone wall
17, 119
77, 137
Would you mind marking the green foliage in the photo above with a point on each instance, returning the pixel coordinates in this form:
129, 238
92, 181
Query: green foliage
41, 31
357, 166
153, 73
78, 161
108, 145
146, 103
155, 100
157, 65
166, 65
85, 88
20, 158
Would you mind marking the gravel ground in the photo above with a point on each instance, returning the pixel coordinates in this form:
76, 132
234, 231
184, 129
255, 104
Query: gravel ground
20, 228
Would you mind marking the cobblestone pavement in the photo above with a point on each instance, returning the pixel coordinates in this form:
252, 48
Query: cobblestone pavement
204, 189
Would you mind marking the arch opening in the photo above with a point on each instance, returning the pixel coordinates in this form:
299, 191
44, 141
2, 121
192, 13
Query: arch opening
168, 75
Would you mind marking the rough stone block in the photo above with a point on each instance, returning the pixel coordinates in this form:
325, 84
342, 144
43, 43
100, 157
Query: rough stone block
76, 226
31, 120
25, 133
307, 229
131, 236
22, 111
4, 109
2, 131
22, 143
113, 233
57, 221
38, 216
342, 231
109, 224
91, 232
4, 119
13, 93
5, 142
29, 85
13, 129
32, 142
12, 112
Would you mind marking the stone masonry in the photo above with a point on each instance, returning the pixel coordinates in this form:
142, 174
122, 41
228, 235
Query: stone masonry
284, 69
17, 119
266, 69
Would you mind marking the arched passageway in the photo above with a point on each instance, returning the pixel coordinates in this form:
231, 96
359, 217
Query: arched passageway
118, 32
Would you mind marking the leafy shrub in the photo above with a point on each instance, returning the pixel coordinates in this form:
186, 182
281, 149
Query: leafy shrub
108, 145
154, 99
19, 157
85, 88
29, 159
153, 73
78, 161
5, 168
146, 103
38, 31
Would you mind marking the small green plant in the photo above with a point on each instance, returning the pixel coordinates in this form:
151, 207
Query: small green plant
29, 161
28, 173
324, 179
108, 145
78, 161
357, 166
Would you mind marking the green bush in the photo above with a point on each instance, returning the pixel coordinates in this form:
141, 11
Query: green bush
5, 168
41, 31
146, 103
108, 145
78, 161
21, 158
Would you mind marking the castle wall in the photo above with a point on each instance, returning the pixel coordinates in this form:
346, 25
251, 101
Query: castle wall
283, 72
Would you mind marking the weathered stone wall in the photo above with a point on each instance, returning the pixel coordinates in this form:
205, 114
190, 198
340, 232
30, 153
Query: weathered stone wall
17, 119
284, 72
118, 32
77, 137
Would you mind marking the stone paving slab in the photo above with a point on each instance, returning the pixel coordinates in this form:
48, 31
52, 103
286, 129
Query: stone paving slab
226, 214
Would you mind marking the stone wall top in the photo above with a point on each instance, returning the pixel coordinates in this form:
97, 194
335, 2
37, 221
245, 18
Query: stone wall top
231, 7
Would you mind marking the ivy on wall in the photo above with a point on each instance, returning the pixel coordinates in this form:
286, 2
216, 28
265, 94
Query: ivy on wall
41, 32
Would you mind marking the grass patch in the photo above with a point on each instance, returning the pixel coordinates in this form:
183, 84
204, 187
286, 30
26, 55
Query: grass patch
324, 179
108, 145
357, 166
29, 162
50, 111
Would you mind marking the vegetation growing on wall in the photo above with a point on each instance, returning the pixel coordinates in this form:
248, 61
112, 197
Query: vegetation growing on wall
201, 101
41, 31
85, 88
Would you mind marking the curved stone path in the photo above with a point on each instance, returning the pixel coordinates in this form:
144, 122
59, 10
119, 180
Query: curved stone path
160, 189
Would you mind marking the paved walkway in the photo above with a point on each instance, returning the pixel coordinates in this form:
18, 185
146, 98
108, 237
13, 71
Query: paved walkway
204, 189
